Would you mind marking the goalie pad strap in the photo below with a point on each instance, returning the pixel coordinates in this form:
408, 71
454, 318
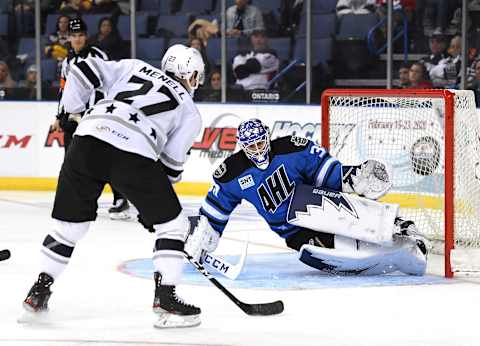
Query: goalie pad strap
334, 212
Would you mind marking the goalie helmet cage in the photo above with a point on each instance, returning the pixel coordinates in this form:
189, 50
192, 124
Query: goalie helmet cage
431, 139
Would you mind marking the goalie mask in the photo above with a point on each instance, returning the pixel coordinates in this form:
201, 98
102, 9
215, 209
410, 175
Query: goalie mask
254, 139
184, 63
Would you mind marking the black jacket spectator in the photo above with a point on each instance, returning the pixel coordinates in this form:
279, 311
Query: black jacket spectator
108, 39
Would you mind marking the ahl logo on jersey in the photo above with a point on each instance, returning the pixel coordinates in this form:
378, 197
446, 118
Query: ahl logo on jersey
275, 190
246, 182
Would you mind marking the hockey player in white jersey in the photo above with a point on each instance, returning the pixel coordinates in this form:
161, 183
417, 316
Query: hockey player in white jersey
136, 139
325, 210
79, 50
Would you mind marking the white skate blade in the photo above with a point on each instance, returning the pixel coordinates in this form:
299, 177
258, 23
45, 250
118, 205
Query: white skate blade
37, 318
168, 320
124, 215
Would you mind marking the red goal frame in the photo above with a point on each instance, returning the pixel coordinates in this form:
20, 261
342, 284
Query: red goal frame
449, 98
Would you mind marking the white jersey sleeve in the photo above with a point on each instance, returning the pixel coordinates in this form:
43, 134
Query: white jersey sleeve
179, 142
83, 78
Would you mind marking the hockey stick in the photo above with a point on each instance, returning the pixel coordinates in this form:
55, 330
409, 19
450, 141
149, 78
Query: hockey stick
224, 268
262, 309
4, 255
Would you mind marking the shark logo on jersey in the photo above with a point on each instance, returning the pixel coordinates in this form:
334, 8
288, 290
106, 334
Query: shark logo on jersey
334, 198
299, 141
246, 182
275, 190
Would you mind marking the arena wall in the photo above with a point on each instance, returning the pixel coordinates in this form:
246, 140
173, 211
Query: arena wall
31, 155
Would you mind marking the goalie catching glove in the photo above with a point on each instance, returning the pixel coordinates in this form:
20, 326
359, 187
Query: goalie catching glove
372, 179
201, 238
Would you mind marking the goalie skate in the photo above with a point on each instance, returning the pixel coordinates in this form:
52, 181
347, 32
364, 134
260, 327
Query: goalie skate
172, 311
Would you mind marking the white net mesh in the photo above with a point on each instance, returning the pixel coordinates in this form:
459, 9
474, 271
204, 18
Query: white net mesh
408, 132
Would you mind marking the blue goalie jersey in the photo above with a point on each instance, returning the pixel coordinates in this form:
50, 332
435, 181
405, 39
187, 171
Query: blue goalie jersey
293, 160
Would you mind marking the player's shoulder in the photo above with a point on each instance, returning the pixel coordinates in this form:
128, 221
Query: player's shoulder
232, 167
96, 52
289, 144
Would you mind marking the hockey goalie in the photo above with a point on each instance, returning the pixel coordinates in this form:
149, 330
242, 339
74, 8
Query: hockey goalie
325, 210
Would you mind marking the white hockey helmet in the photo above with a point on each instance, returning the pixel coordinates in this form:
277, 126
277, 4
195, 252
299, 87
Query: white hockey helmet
184, 63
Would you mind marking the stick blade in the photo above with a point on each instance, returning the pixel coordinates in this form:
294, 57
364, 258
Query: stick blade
264, 309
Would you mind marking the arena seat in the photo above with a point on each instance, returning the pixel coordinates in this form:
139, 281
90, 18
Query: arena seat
3, 24
150, 48
49, 70
196, 7
172, 26
323, 25
140, 25
321, 50
355, 25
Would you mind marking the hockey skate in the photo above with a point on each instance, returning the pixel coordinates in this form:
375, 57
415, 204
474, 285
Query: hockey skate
119, 210
36, 303
172, 311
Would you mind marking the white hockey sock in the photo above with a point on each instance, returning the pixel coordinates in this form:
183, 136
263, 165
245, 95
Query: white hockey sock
169, 265
58, 246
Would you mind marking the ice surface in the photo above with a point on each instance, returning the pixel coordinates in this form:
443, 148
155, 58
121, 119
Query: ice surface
93, 303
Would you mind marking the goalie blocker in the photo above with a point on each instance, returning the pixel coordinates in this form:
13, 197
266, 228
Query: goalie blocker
368, 237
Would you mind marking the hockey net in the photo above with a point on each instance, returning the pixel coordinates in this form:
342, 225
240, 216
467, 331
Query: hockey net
431, 139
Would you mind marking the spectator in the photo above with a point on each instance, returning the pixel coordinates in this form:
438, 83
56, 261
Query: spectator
475, 83
438, 46
57, 45
6, 81
418, 77
243, 19
197, 43
213, 91
434, 16
203, 29
254, 68
108, 39
21, 6
75, 8
403, 77
355, 7
29, 85
446, 72
106, 6
290, 13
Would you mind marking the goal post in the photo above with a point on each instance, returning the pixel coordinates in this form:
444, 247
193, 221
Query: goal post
431, 138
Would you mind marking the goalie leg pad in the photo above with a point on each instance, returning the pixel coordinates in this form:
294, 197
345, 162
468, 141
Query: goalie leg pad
343, 214
353, 257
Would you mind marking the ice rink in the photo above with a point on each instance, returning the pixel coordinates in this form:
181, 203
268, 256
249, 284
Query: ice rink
104, 298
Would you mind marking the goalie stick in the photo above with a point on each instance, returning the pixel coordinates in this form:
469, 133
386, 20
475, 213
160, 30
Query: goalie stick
262, 309
4, 255
221, 266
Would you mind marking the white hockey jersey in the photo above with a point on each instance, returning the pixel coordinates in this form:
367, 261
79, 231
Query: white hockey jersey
144, 111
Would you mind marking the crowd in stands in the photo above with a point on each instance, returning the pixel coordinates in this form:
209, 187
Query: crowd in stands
264, 38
